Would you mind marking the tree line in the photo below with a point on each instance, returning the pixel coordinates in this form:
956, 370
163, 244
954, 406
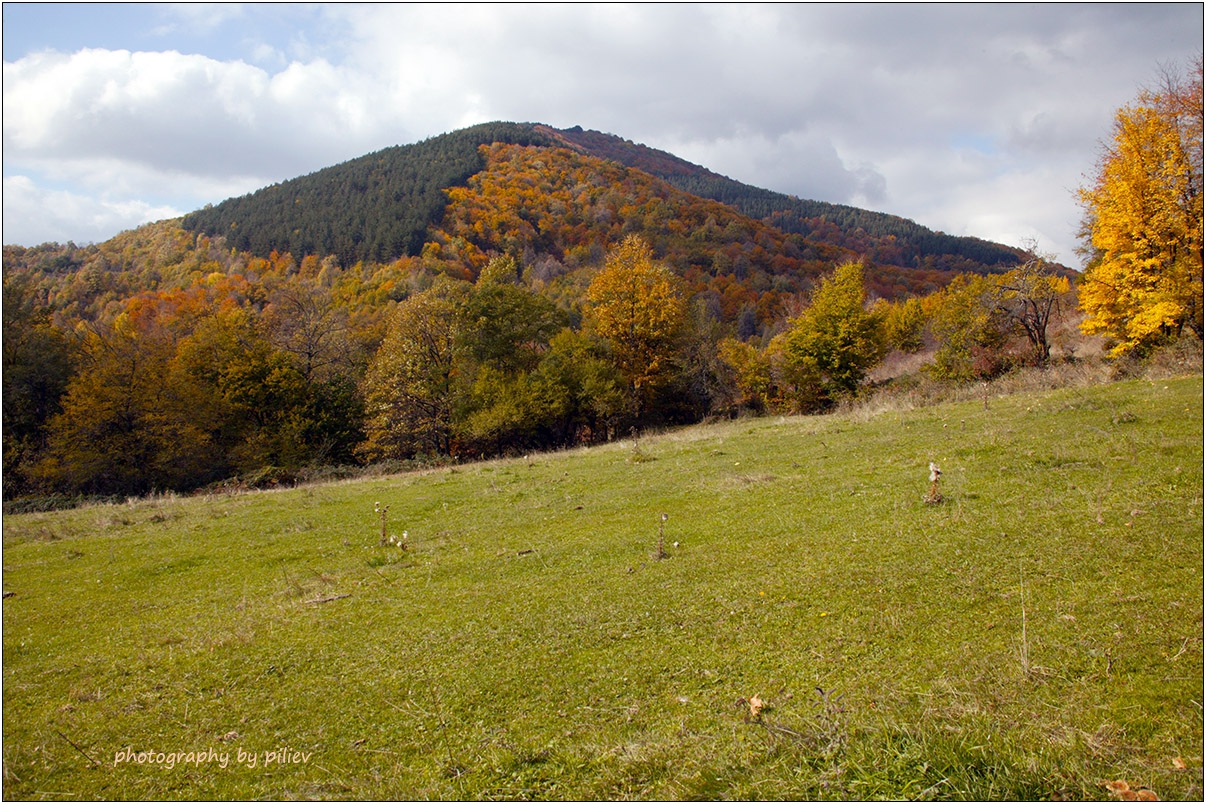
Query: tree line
274, 364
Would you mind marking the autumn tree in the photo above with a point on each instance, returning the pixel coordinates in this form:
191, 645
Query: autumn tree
1142, 230
411, 390
131, 420
1032, 296
302, 318
970, 328
751, 375
38, 365
638, 308
502, 270
835, 341
904, 324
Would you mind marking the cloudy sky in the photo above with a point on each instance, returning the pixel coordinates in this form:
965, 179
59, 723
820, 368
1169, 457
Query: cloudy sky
971, 119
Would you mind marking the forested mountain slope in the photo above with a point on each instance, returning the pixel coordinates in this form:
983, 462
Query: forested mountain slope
379, 207
884, 239
373, 208
559, 210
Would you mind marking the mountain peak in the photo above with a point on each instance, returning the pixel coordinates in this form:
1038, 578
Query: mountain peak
385, 205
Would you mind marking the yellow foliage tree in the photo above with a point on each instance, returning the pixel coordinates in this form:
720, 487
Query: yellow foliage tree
638, 308
132, 420
835, 341
753, 380
1143, 223
411, 389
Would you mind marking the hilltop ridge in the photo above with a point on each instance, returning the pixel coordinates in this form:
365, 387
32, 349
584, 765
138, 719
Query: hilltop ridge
382, 206
916, 244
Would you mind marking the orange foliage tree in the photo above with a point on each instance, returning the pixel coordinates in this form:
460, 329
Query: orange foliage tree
638, 308
132, 420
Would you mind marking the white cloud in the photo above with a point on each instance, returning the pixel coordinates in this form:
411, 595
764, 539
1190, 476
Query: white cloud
803, 160
183, 113
198, 17
127, 178
42, 215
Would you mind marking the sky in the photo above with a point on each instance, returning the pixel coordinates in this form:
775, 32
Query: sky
972, 119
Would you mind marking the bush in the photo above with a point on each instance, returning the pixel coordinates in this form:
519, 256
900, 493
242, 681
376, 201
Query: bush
1177, 358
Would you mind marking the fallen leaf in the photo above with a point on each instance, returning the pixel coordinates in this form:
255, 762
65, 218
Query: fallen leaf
756, 706
1124, 792
1179, 764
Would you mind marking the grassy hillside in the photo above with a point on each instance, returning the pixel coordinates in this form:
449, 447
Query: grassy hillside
1036, 634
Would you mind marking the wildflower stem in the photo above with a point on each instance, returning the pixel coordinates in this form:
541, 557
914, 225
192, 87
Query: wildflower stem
384, 524
1025, 643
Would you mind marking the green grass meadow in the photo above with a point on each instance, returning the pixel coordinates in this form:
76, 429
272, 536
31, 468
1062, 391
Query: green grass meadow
1036, 634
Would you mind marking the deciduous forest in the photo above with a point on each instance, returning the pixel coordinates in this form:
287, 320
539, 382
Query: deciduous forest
509, 287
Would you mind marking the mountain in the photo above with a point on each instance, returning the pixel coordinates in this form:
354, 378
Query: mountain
909, 243
386, 205
376, 207
559, 210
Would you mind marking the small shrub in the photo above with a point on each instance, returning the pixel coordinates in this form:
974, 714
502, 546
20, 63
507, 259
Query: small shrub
639, 455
